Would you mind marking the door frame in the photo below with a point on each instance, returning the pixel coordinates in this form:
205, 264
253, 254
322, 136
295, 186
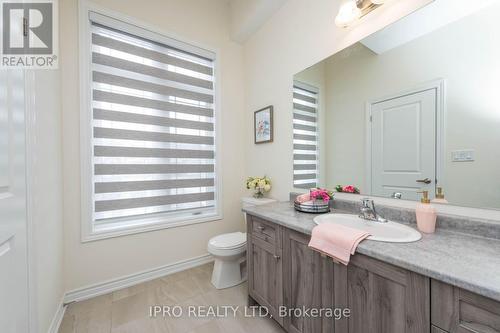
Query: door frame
30, 122
439, 85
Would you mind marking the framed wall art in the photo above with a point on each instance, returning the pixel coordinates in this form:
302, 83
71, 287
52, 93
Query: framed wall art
263, 125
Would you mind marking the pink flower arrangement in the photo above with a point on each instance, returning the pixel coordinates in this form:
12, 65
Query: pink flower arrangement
347, 189
319, 193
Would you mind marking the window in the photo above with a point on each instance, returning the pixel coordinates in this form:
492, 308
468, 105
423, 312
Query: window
151, 130
305, 136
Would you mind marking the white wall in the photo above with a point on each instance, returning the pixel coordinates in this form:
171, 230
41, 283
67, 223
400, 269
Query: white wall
45, 186
465, 54
206, 23
299, 35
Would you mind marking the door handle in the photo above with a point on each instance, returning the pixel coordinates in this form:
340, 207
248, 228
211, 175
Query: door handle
425, 181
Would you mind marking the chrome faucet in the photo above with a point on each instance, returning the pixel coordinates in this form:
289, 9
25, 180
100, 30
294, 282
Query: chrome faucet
368, 212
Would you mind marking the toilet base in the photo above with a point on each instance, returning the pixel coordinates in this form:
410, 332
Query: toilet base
228, 273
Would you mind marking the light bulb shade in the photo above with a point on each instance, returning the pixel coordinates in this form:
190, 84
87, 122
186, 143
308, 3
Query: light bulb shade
348, 13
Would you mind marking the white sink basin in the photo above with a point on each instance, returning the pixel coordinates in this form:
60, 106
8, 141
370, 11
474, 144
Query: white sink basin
383, 232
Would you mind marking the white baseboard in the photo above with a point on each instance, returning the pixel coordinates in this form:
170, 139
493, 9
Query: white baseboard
58, 317
102, 288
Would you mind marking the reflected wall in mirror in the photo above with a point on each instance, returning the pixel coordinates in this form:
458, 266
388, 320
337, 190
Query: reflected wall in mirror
412, 107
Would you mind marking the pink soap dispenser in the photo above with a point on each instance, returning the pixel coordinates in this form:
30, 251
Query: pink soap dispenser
426, 214
439, 197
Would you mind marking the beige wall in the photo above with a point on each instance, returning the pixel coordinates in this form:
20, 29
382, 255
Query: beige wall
248, 15
299, 35
357, 75
281, 48
346, 162
203, 22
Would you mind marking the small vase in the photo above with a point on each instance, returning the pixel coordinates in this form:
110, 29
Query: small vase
258, 194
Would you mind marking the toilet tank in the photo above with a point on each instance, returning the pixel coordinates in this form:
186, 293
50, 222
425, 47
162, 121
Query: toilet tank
251, 201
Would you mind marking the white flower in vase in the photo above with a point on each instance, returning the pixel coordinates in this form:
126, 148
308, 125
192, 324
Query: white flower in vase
259, 185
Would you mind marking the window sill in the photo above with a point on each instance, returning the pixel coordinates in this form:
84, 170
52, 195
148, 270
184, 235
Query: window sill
131, 228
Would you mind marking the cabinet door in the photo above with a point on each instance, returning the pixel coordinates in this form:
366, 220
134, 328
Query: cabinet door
308, 284
265, 274
459, 311
435, 329
382, 298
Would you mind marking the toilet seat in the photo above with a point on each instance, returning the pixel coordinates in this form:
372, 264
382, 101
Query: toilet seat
230, 241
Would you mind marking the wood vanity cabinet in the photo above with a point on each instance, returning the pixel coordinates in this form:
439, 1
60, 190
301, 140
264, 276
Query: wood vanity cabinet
455, 310
264, 265
307, 282
382, 298
284, 271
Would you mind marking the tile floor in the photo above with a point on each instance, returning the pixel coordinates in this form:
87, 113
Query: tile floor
127, 310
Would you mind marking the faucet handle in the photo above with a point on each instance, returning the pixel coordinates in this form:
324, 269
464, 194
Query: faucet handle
397, 195
365, 202
368, 211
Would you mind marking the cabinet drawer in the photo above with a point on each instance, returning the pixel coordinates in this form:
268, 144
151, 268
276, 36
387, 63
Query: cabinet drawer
459, 311
264, 230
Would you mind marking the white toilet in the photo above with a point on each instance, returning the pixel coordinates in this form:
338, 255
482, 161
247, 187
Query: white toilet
229, 252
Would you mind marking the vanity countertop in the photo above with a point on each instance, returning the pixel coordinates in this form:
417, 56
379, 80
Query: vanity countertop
466, 261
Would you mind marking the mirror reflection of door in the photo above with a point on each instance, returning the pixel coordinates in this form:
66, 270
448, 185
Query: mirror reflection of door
403, 145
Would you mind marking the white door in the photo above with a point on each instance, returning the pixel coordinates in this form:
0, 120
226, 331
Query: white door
403, 145
13, 246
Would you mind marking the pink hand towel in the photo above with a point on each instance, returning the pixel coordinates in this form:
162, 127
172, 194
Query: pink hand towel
336, 241
303, 198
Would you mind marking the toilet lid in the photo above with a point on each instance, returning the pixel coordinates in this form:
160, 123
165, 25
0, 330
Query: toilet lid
229, 241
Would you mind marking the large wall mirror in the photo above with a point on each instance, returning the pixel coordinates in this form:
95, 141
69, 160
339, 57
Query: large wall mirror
412, 107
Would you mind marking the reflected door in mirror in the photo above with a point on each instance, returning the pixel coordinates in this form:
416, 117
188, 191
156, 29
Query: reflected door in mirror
403, 145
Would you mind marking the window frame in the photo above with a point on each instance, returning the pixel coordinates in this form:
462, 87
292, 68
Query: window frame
317, 91
139, 224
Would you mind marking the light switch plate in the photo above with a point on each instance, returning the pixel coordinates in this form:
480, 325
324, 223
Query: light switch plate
462, 155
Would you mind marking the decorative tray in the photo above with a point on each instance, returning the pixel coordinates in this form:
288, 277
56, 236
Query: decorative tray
316, 207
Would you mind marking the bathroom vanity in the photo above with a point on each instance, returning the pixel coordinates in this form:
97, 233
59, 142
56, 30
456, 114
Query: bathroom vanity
388, 287
411, 108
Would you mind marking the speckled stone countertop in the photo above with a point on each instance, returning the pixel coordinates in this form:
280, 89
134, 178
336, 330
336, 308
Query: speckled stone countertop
463, 260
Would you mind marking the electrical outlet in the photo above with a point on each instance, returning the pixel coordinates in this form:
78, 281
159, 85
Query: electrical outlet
462, 156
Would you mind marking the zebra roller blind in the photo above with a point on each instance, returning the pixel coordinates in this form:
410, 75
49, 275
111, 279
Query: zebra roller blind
305, 136
153, 126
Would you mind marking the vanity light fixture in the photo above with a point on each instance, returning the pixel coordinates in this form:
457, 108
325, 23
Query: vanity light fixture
348, 13
352, 10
